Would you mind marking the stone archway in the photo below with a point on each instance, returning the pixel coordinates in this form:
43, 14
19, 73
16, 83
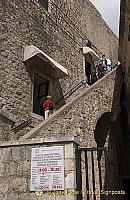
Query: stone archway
102, 129
105, 135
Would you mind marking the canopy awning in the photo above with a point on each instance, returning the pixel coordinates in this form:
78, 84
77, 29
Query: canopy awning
86, 50
58, 70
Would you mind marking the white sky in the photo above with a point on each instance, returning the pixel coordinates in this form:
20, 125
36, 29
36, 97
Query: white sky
109, 10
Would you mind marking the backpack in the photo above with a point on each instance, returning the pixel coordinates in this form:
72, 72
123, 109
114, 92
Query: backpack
100, 68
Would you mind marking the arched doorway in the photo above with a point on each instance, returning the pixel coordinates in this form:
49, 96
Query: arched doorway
102, 129
105, 135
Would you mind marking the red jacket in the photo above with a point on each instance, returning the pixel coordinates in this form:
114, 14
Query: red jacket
46, 104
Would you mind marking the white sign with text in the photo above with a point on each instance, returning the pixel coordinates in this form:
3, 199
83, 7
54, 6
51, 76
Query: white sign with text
47, 168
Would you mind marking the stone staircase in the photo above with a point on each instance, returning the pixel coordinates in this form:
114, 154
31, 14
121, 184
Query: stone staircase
79, 116
27, 125
24, 127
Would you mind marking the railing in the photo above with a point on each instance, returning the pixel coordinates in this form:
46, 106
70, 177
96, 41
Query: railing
89, 160
70, 92
22, 125
76, 87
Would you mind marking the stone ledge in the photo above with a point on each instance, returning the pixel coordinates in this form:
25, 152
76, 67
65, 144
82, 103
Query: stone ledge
34, 115
39, 141
62, 139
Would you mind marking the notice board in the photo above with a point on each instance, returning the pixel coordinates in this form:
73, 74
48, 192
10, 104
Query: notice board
47, 168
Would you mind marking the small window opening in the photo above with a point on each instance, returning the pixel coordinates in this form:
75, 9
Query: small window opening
44, 3
39, 93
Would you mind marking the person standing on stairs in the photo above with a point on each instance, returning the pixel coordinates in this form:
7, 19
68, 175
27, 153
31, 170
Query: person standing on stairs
101, 70
47, 106
104, 62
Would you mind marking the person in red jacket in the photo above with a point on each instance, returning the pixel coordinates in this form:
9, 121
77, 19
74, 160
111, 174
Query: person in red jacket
47, 106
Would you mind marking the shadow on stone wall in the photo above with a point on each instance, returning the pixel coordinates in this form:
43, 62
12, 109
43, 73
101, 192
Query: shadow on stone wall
101, 134
102, 129
123, 145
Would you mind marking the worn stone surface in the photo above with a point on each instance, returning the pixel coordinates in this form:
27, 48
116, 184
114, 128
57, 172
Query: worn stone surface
60, 32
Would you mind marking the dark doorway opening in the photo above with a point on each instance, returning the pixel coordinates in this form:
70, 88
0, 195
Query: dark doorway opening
126, 187
88, 71
39, 93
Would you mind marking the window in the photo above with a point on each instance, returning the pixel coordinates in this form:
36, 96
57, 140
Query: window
44, 3
40, 92
129, 34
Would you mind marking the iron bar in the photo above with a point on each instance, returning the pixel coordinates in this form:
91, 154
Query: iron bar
22, 125
86, 171
93, 175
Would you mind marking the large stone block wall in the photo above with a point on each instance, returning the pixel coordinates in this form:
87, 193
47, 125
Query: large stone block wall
88, 23
79, 117
15, 169
59, 33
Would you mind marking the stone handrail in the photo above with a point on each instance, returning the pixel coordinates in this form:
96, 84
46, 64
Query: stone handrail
70, 92
21, 125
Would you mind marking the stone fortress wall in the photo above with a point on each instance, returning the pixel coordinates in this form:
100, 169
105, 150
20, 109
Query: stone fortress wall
60, 32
